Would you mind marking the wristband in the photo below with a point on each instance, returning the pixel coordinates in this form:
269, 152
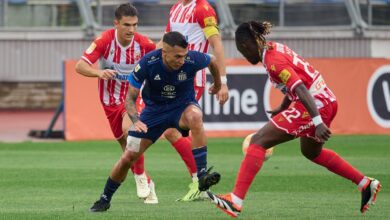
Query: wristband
317, 120
223, 80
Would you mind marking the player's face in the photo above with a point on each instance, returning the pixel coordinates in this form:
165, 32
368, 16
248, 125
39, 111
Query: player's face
126, 27
173, 57
249, 51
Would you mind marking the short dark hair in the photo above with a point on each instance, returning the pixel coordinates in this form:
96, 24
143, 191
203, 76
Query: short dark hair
175, 38
125, 10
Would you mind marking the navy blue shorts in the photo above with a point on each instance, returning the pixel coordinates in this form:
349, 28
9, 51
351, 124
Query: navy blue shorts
159, 120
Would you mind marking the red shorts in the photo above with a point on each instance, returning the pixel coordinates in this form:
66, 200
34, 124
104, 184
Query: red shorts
115, 117
140, 104
296, 119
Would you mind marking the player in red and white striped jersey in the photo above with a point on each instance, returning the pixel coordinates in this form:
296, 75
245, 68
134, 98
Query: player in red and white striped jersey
197, 21
306, 112
119, 49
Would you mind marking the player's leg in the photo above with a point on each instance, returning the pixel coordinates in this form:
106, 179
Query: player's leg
135, 148
191, 118
141, 178
183, 147
265, 138
327, 158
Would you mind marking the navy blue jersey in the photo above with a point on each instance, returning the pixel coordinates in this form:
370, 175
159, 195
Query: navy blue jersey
164, 87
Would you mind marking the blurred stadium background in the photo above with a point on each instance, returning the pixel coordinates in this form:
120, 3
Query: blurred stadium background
39, 180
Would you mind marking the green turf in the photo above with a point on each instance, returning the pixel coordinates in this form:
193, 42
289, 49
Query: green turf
61, 180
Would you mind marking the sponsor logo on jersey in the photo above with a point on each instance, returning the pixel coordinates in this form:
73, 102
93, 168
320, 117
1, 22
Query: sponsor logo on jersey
188, 60
91, 48
122, 77
153, 59
157, 77
284, 76
169, 92
182, 76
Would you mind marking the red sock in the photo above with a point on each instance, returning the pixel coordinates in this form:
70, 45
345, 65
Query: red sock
183, 147
333, 162
138, 166
249, 167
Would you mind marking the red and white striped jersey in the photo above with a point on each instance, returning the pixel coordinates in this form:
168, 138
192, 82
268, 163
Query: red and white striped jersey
190, 20
114, 56
287, 69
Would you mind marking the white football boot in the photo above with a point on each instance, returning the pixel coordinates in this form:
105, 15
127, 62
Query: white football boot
152, 197
141, 182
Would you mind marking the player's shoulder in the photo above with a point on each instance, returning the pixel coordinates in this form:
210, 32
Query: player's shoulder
203, 6
152, 58
108, 34
142, 39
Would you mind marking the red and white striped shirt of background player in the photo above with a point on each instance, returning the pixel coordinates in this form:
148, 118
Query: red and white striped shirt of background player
114, 56
287, 70
196, 21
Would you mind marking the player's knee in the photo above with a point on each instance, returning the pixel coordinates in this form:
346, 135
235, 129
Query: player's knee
133, 144
172, 135
195, 120
310, 153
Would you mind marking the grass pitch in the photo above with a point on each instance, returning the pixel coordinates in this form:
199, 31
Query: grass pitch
61, 180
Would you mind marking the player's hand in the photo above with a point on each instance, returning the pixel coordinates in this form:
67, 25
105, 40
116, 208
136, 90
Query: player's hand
106, 74
322, 132
139, 126
275, 111
223, 94
214, 88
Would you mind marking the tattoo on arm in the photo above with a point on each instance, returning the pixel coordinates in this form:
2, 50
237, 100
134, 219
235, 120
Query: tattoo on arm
131, 99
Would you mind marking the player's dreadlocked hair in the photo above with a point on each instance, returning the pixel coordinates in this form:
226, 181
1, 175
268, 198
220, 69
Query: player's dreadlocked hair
250, 39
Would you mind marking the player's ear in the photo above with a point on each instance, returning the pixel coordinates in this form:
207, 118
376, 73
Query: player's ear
116, 22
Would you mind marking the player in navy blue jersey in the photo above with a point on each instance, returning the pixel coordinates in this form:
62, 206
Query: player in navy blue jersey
166, 77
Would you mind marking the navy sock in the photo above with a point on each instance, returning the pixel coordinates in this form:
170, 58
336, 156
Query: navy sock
200, 155
109, 189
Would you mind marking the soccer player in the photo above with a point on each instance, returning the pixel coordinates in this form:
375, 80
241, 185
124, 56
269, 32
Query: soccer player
306, 112
166, 76
119, 49
197, 21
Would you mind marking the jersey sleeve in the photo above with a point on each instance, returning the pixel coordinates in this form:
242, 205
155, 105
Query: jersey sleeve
148, 44
95, 50
138, 75
201, 60
285, 74
207, 19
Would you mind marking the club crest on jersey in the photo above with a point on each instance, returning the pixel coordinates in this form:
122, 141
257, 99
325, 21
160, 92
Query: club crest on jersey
157, 77
182, 76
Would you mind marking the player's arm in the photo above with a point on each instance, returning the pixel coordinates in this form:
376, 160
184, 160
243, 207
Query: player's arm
284, 105
216, 43
322, 131
214, 70
135, 80
85, 69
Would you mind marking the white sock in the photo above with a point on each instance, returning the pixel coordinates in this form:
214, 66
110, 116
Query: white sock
236, 200
362, 183
194, 177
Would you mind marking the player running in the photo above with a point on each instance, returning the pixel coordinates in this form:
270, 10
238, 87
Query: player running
306, 112
167, 78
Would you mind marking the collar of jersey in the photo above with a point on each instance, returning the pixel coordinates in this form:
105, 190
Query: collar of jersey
119, 44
